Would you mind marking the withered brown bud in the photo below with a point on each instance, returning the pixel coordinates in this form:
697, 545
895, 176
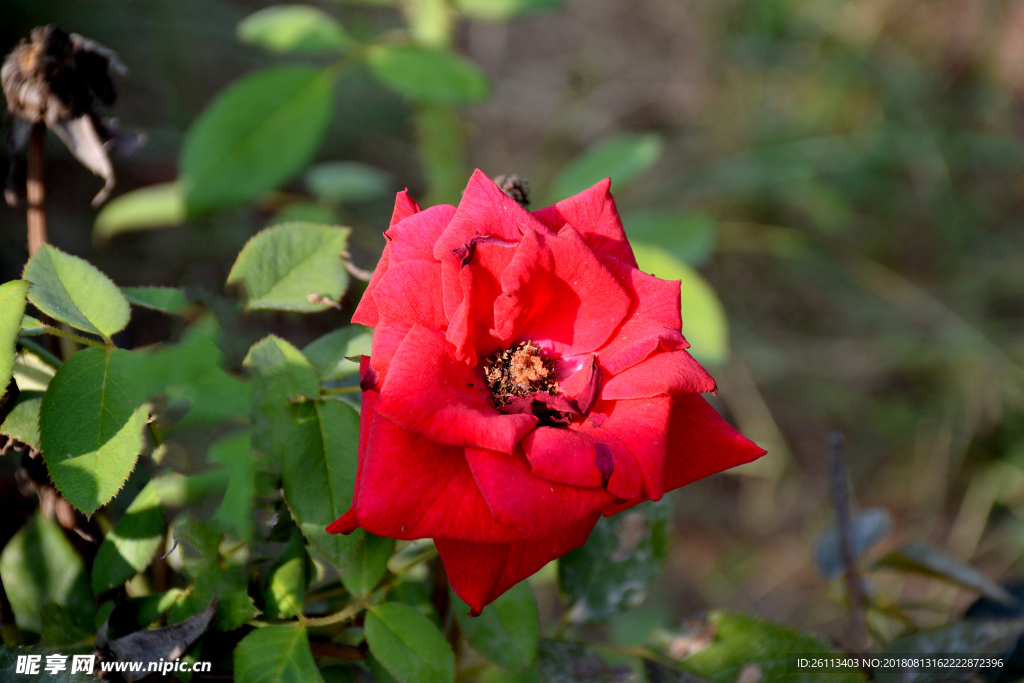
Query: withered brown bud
60, 80
515, 187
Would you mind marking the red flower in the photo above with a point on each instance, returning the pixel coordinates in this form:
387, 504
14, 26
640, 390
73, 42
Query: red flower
525, 379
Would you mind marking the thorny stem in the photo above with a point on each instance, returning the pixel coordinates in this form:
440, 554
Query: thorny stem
348, 614
351, 610
841, 500
57, 332
35, 189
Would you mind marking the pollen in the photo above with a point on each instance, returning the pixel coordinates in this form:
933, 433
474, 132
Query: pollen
521, 370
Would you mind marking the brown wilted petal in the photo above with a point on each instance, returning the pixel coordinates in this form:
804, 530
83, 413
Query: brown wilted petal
165, 644
60, 80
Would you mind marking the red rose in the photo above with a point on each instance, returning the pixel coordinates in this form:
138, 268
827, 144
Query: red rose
525, 379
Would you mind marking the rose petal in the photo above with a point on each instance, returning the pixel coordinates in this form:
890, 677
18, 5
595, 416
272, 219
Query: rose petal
642, 426
348, 522
470, 324
366, 312
345, 524
369, 378
411, 293
571, 456
484, 210
386, 340
427, 391
587, 396
405, 206
701, 443
532, 506
556, 292
413, 238
653, 320
672, 372
410, 487
480, 572
594, 216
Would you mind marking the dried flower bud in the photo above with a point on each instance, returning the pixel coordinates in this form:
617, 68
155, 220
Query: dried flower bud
515, 187
61, 79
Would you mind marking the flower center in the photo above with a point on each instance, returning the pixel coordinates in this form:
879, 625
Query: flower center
519, 371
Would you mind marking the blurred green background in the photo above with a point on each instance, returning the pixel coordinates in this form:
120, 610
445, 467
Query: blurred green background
847, 174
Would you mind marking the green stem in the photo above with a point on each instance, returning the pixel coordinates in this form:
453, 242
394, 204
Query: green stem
350, 612
340, 390
85, 341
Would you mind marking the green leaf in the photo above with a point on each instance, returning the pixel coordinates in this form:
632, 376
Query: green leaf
428, 74
967, 637
867, 529
39, 566
507, 632
280, 377
164, 299
285, 594
704, 321
294, 28
216, 578
330, 353
689, 236
742, 640
150, 608
257, 134
286, 373
12, 310
229, 587
347, 182
235, 512
22, 423
63, 627
281, 266
368, 565
408, 644
622, 158
31, 327
155, 206
132, 544
90, 429
191, 374
614, 569
502, 10
71, 290
919, 558
380, 674
318, 471
176, 490
276, 654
